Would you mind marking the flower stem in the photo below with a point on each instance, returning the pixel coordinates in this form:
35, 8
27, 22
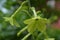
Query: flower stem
26, 36
21, 31
18, 9
35, 14
27, 13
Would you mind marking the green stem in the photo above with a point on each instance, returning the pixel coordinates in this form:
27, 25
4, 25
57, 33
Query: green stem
26, 36
21, 31
27, 12
18, 9
35, 14
29, 3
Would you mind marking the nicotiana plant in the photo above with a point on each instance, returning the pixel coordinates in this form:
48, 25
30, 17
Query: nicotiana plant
33, 24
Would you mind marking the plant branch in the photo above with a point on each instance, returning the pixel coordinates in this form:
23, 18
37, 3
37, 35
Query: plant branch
27, 12
35, 14
18, 9
21, 31
26, 36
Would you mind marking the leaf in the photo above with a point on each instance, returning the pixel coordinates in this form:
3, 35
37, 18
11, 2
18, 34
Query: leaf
50, 39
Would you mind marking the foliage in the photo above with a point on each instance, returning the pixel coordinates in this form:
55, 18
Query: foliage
26, 21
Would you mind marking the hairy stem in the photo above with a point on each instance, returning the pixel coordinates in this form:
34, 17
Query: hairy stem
35, 14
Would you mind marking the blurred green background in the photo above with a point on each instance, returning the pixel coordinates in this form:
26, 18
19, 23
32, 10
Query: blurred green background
8, 7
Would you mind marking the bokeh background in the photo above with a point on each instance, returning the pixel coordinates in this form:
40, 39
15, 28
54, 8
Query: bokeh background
49, 8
